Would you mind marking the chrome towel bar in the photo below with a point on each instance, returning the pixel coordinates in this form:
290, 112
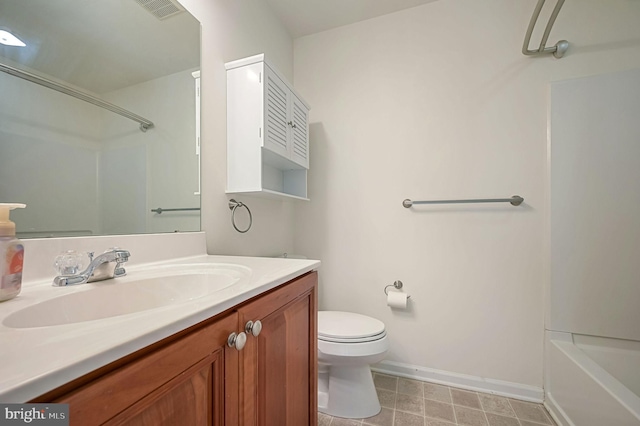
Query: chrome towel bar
159, 210
516, 200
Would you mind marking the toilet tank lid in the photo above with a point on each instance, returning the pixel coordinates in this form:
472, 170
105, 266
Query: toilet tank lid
348, 325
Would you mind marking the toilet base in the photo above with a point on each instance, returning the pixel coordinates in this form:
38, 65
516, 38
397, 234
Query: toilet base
347, 392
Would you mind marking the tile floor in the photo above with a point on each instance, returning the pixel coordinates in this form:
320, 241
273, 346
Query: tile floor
408, 402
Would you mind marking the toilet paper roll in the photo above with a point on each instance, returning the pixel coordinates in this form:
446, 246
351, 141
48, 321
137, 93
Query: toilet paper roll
397, 299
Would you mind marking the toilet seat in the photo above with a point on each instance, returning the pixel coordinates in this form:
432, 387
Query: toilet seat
348, 327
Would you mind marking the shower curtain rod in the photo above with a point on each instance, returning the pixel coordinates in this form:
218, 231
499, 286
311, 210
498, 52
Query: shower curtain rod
560, 48
144, 123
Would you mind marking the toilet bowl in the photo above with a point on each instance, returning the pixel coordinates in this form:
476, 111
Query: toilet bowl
347, 344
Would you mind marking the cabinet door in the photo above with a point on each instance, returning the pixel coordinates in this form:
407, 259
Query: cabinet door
192, 381
276, 127
299, 132
279, 367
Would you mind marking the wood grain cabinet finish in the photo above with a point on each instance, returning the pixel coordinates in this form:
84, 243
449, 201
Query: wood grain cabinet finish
194, 378
279, 366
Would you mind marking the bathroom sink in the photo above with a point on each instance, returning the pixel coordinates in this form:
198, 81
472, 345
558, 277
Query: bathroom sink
139, 291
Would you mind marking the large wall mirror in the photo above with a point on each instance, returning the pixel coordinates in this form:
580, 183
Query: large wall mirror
83, 169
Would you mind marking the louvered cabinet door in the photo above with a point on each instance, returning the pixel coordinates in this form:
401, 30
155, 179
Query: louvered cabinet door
276, 127
299, 132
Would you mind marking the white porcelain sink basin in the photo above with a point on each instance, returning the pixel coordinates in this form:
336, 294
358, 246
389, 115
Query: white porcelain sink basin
140, 291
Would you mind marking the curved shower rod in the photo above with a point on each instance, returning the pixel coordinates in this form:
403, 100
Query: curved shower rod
560, 48
144, 123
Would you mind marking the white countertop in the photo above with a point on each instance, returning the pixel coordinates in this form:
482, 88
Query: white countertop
36, 360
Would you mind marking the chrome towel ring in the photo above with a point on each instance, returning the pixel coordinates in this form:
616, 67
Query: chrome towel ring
233, 206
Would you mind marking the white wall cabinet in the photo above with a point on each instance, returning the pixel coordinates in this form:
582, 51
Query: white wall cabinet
267, 132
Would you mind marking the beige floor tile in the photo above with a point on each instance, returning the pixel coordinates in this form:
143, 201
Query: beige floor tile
407, 419
324, 420
496, 404
382, 381
497, 420
439, 410
338, 421
409, 403
469, 417
410, 387
387, 398
465, 398
530, 411
527, 423
432, 422
384, 418
437, 392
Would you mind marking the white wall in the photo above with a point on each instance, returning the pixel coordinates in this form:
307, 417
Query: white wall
438, 102
234, 30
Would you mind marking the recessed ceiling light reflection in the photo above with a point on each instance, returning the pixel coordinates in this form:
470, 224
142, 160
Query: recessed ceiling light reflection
9, 39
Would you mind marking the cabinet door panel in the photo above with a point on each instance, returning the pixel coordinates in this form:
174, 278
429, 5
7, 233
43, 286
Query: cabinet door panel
280, 365
276, 98
283, 357
300, 142
185, 403
185, 375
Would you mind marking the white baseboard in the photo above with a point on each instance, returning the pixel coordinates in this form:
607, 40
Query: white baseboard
464, 381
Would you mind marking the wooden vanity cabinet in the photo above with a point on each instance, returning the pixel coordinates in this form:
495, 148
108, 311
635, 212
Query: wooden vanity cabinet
194, 378
279, 366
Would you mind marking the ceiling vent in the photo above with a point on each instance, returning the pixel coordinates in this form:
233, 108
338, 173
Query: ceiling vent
161, 9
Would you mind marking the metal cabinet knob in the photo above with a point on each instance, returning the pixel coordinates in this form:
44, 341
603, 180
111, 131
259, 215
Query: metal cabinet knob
237, 340
292, 125
253, 328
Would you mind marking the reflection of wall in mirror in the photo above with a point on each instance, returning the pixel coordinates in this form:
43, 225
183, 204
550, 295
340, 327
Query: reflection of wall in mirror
64, 144
49, 143
172, 166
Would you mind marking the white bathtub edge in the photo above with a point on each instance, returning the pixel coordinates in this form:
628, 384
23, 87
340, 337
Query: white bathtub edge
614, 388
570, 372
463, 381
556, 412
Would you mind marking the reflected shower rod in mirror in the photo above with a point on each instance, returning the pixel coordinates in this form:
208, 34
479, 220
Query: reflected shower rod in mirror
144, 123
516, 200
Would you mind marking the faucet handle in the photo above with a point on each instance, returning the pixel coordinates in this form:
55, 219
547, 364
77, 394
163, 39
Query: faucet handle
121, 255
119, 271
68, 263
90, 254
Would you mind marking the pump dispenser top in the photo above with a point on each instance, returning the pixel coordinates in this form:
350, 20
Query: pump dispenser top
8, 228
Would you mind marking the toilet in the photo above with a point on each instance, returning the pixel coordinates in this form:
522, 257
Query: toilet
348, 343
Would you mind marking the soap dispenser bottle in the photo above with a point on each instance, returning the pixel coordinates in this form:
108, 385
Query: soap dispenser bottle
11, 254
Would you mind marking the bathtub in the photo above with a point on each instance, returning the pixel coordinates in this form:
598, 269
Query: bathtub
592, 381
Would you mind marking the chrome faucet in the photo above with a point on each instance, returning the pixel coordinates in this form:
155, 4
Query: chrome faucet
100, 268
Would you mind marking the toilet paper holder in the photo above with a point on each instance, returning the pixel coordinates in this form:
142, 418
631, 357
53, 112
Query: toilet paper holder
397, 284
